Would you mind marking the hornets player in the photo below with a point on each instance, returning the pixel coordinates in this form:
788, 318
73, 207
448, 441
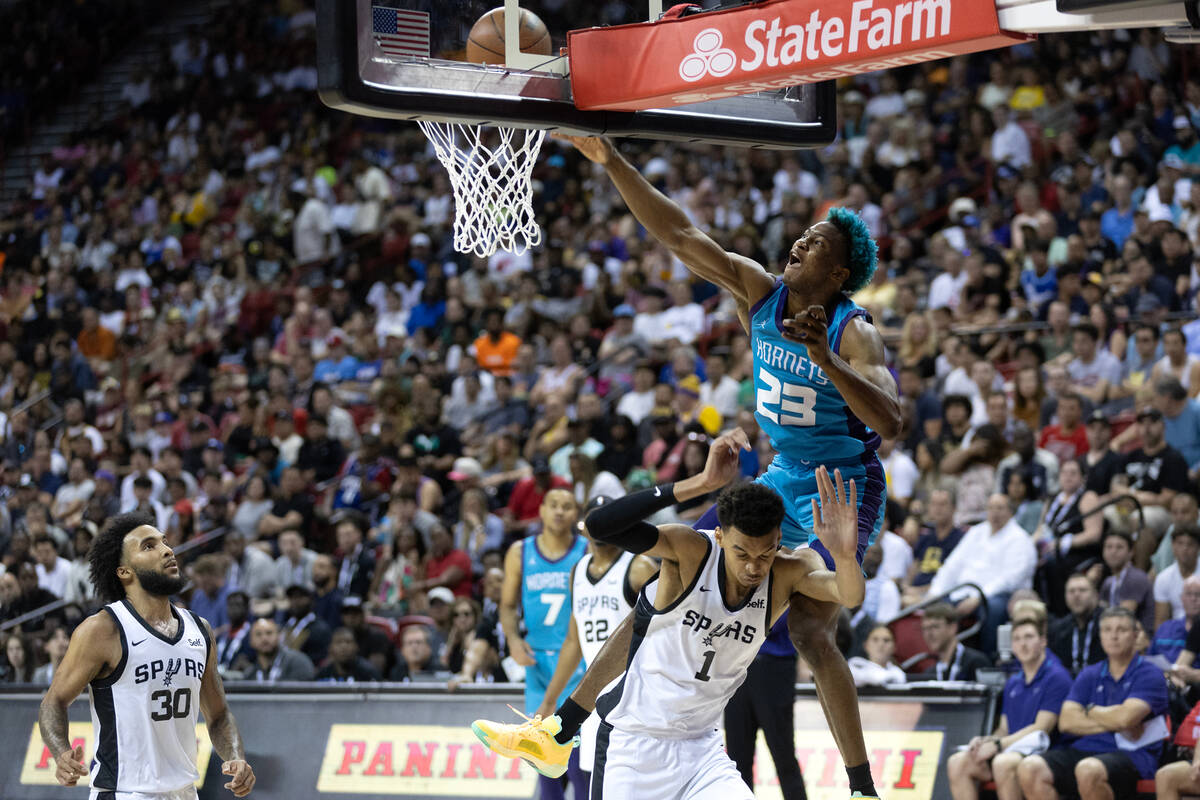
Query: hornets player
537, 574
150, 667
697, 626
824, 396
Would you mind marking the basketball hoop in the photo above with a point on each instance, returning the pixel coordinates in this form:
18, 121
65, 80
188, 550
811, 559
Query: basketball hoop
493, 193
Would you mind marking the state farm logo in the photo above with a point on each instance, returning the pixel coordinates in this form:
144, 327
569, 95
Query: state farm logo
707, 58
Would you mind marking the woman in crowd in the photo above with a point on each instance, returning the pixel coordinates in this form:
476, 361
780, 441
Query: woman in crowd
256, 503
18, 652
877, 668
464, 617
477, 530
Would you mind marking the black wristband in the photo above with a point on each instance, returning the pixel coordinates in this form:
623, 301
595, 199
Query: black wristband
623, 522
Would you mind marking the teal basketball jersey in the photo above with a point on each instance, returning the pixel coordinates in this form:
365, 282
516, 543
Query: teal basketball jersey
545, 591
797, 405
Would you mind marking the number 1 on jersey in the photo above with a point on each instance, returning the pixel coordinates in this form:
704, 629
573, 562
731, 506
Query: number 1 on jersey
709, 655
797, 404
555, 600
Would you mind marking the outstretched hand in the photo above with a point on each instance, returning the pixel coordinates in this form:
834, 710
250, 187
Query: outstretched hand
594, 148
724, 458
835, 519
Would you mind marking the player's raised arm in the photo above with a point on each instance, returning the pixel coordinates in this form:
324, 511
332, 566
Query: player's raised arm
835, 523
622, 523
222, 727
94, 645
745, 279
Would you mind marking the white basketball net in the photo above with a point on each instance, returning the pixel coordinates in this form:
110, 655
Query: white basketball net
493, 196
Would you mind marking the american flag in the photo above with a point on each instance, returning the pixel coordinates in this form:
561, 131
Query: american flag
399, 32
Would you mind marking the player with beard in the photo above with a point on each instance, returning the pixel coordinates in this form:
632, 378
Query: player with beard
149, 666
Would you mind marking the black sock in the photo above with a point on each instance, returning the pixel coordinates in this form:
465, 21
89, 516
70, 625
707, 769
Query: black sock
572, 717
860, 779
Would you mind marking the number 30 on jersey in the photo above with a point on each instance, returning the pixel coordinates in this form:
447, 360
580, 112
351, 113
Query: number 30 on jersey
786, 403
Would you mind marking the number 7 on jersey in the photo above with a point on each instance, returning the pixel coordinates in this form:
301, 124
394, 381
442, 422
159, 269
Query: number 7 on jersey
555, 600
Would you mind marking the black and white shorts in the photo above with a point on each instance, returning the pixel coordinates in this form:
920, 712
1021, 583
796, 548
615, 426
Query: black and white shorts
632, 765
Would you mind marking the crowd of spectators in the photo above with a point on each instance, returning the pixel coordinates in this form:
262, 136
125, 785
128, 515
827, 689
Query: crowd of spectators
239, 311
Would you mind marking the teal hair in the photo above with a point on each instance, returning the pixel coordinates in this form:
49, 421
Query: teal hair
861, 250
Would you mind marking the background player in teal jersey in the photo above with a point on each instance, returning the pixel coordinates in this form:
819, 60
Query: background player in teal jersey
824, 396
537, 574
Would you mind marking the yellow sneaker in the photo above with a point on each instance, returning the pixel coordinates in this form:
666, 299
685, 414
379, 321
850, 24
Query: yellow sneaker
532, 741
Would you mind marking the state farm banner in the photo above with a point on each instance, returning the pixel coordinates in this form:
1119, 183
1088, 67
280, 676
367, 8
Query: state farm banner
368, 742
770, 45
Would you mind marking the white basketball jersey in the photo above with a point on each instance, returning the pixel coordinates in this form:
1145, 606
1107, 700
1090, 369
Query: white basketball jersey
599, 606
144, 712
686, 660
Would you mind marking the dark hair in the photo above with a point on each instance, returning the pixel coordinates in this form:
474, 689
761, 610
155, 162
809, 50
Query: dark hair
1089, 329
1111, 532
1169, 386
105, 554
45, 537
1187, 530
752, 508
956, 399
26, 674
1071, 396
943, 611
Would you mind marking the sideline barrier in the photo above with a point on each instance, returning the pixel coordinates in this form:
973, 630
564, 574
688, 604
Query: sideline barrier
322, 741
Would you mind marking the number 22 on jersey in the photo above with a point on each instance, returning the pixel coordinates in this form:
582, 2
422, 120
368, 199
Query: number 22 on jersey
786, 403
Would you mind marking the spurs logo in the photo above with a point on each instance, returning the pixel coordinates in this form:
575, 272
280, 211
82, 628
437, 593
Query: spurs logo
173, 665
707, 58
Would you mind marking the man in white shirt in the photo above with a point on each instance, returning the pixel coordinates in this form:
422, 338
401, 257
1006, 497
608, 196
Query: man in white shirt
313, 234
53, 571
637, 403
73, 495
684, 321
1010, 144
294, 565
720, 391
946, 289
901, 471
1168, 585
996, 555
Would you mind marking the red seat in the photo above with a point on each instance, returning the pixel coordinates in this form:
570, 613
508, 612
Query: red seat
910, 642
411, 619
384, 624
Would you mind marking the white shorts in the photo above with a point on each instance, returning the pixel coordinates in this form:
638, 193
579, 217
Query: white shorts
636, 765
587, 741
182, 794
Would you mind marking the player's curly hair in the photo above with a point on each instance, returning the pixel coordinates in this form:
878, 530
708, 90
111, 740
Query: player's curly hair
105, 554
752, 508
862, 254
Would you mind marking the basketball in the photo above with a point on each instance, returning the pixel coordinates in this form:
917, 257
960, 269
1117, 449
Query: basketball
485, 42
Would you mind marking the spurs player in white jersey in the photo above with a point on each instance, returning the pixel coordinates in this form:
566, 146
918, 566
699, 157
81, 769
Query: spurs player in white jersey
604, 587
149, 667
697, 626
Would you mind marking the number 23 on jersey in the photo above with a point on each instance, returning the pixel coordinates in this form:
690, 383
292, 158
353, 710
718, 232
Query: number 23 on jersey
786, 403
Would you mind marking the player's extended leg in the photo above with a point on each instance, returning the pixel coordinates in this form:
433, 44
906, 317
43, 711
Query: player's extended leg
811, 624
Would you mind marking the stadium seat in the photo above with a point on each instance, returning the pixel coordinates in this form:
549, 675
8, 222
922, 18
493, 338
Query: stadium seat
411, 619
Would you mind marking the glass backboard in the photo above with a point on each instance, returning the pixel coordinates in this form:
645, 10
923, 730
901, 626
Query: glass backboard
405, 59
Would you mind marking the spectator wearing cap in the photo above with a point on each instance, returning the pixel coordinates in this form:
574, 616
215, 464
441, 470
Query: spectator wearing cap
301, 627
1181, 420
496, 349
1168, 584
1153, 473
1178, 363
1187, 146
211, 592
357, 560
1117, 708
